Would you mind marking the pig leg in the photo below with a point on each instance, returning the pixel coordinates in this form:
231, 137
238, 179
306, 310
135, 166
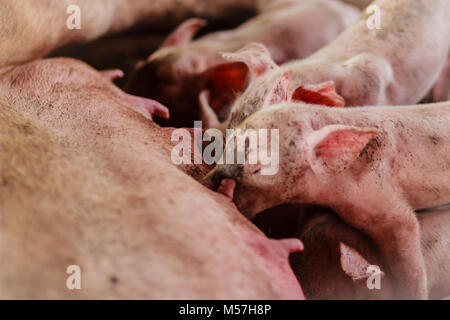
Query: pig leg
397, 235
441, 89
38, 27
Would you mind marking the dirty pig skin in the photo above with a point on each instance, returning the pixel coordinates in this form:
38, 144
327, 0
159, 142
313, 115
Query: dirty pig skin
31, 29
183, 68
323, 274
372, 165
84, 177
395, 65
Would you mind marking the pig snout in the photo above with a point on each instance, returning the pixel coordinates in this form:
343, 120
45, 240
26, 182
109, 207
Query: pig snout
221, 172
248, 199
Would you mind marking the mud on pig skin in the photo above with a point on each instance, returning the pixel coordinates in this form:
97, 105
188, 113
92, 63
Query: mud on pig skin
177, 73
390, 66
323, 274
87, 181
372, 165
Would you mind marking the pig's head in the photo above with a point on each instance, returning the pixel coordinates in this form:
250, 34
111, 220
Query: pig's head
181, 69
307, 156
313, 85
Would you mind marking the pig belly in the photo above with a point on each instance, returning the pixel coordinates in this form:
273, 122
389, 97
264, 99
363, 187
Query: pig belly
87, 181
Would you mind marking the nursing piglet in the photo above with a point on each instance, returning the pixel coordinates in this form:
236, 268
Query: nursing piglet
373, 166
336, 259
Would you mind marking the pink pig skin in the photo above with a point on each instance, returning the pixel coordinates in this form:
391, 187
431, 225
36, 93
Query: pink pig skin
372, 165
323, 277
85, 180
441, 89
395, 65
361, 4
31, 29
177, 73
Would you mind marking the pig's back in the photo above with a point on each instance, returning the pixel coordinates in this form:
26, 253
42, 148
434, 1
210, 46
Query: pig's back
435, 232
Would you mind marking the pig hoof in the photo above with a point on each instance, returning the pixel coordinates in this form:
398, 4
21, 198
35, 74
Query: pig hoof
227, 188
147, 107
112, 74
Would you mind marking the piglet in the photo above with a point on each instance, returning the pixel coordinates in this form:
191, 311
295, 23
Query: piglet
373, 166
335, 262
394, 65
182, 69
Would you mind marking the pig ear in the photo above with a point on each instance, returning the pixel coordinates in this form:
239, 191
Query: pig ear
353, 263
279, 92
333, 148
184, 33
321, 94
256, 56
224, 82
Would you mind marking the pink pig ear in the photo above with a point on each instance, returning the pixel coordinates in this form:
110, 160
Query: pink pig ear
335, 147
322, 94
353, 263
184, 33
256, 56
224, 82
279, 92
